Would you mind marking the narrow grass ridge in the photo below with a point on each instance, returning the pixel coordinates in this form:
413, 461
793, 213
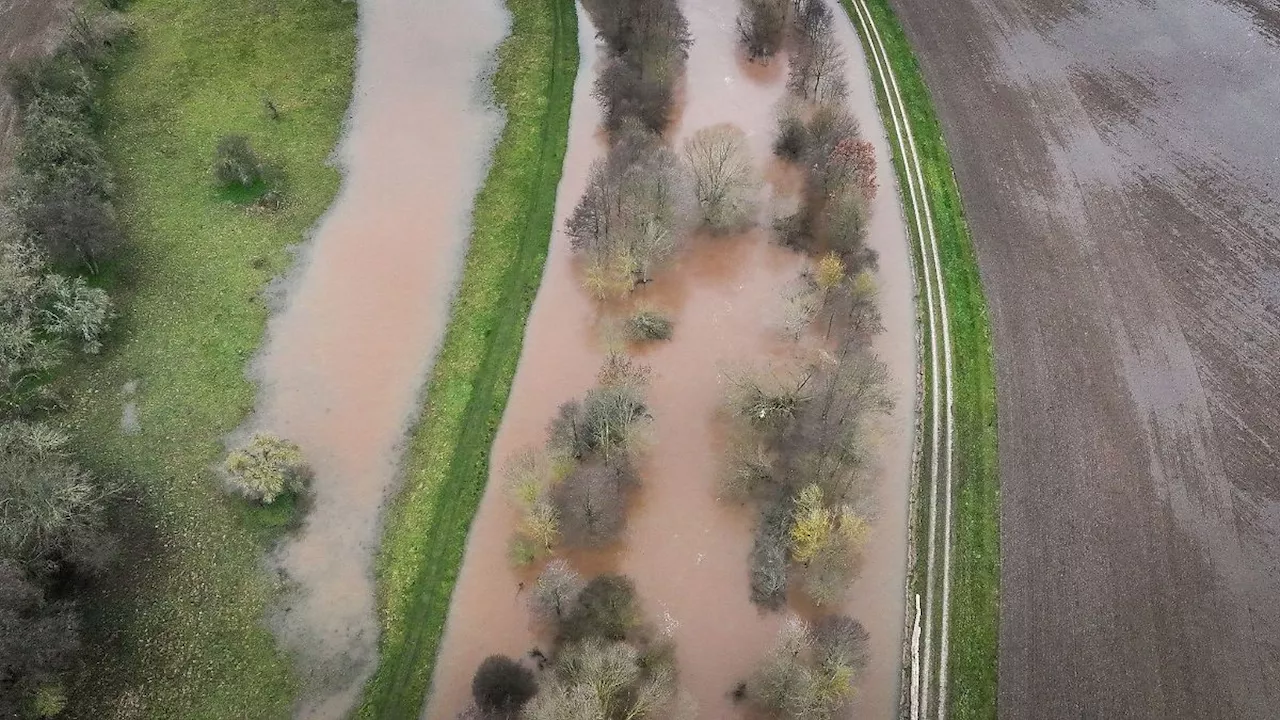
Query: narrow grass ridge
447, 463
178, 630
975, 537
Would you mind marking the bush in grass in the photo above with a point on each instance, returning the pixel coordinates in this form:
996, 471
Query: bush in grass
266, 467
647, 324
501, 686
51, 509
236, 163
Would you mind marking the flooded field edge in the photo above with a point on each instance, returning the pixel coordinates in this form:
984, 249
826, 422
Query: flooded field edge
312, 371
559, 361
503, 266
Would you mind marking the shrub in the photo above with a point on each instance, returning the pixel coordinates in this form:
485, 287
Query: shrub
38, 639
502, 685
74, 226
649, 324
52, 510
235, 163
267, 467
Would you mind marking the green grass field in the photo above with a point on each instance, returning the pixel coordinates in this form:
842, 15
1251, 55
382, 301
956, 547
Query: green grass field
179, 631
975, 571
447, 463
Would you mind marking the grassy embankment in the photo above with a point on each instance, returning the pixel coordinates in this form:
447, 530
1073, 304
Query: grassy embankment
447, 463
179, 629
975, 568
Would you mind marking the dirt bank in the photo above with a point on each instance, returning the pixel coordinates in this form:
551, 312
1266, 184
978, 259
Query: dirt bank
686, 550
1117, 163
344, 362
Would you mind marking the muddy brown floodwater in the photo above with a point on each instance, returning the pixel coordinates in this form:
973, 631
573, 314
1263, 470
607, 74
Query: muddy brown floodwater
686, 550
345, 360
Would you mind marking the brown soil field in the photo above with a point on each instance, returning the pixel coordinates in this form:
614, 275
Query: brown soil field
1119, 165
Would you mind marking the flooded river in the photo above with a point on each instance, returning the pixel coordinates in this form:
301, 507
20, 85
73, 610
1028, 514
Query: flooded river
345, 359
686, 550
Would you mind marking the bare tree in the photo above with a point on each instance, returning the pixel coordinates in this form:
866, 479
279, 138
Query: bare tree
555, 594
724, 182
799, 679
630, 215
762, 27
591, 506
817, 70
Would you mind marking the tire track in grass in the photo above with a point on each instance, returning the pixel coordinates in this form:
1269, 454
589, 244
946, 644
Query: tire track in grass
936, 301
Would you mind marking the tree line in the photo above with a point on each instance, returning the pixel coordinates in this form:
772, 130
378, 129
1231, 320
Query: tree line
59, 231
58, 225
799, 449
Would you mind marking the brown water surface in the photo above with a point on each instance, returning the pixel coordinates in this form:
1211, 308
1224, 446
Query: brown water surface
686, 550
344, 363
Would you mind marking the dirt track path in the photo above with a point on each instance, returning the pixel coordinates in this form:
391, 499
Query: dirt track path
1118, 165
942, 373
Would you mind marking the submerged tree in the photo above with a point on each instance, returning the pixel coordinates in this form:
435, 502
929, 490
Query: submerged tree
724, 181
809, 674
501, 686
630, 216
648, 42
762, 26
555, 593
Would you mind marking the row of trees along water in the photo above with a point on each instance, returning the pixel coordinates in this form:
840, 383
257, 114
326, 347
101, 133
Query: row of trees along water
60, 236
799, 449
798, 452
604, 661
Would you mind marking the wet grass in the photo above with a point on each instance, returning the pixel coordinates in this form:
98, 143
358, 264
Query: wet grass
447, 463
975, 583
178, 629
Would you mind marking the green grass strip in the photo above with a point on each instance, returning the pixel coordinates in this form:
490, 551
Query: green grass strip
975, 572
178, 630
447, 463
